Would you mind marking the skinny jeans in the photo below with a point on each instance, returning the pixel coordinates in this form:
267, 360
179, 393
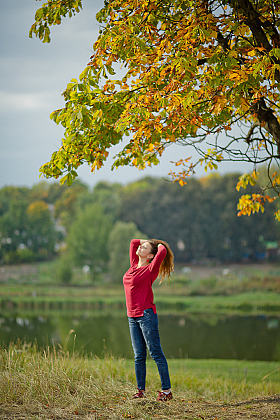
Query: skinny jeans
145, 334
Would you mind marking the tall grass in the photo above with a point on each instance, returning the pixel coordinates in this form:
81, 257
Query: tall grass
66, 382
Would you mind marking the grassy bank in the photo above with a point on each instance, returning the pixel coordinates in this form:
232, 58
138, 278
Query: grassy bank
39, 381
44, 299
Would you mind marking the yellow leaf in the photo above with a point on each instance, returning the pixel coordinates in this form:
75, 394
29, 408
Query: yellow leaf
244, 105
277, 215
255, 174
243, 29
252, 53
234, 75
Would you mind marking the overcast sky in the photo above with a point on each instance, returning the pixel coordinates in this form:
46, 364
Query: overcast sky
33, 76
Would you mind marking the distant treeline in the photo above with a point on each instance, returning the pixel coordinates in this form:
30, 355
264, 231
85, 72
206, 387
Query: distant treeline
199, 221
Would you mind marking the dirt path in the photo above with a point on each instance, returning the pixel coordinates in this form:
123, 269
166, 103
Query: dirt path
266, 408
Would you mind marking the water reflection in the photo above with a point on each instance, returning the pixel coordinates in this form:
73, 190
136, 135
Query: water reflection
231, 337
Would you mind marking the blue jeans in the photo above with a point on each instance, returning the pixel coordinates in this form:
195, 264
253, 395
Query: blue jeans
144, 333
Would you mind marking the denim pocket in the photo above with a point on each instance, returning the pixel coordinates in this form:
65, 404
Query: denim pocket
148, 312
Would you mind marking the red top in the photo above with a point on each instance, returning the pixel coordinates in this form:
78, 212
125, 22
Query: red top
138, 281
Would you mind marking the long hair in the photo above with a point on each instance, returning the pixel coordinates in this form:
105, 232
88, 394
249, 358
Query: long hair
167, 265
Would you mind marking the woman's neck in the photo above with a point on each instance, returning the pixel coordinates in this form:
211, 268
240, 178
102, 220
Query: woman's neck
142, 263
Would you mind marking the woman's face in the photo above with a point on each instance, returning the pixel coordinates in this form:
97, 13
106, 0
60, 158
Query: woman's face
144, 251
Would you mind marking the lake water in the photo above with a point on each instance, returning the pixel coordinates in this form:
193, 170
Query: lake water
182, 336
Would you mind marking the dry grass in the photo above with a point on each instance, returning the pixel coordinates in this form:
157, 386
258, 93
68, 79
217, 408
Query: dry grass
53, 384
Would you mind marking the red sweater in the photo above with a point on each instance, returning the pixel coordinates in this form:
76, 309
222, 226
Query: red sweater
138, 281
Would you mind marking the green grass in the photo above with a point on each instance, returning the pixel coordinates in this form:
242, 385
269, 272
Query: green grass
235, 370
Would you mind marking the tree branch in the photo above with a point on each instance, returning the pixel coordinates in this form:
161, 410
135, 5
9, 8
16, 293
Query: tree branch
250, 132
267, 118
252, 19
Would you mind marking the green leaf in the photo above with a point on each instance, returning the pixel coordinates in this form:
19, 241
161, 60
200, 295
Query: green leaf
84, 73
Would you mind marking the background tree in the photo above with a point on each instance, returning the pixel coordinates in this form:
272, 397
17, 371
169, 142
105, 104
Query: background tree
54, 191
40, 232
119, 241
40, 192
105, 194
197, 72
231, 238
164, 210
12, 194
13, 230
65, 205
87, 241
199, 221
27, 230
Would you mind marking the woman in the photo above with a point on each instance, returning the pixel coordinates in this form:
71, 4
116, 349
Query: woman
148, 259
